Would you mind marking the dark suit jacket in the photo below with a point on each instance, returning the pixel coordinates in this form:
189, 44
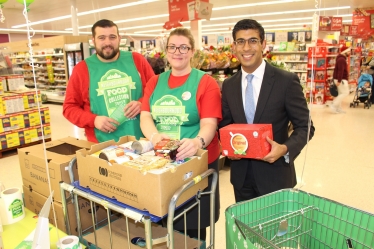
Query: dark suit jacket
281, 100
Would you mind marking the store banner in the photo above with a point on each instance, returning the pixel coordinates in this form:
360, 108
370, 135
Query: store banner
362, 19
50, 71
336, 23
187, 10
330, 23
325, 23
353, 30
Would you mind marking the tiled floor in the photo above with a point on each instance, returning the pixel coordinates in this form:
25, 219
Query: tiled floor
337, 163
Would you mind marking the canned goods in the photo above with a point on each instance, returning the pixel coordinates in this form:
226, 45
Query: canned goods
142, 146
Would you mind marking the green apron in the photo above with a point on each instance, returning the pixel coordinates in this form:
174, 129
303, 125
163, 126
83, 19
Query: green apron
112, 86
175, 111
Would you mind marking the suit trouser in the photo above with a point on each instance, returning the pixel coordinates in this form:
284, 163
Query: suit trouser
343, 91
249, 189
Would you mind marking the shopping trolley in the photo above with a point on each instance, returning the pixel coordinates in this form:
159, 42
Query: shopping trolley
130, 213
295, 219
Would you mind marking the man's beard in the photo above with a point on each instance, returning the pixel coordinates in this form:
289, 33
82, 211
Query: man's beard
107, 56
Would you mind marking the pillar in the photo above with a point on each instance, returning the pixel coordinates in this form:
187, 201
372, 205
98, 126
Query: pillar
74, 17
196, 32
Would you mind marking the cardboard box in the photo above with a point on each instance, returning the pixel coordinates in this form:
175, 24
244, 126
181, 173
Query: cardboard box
246, 140
11, 103
30, 97
14, 138
24, 119
121, 237
151, 192
59, 154
15, 82
2, 85
35, 201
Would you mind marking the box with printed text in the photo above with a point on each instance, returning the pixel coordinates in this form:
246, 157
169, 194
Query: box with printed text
34, 201
57, 155
246, 140
151, 191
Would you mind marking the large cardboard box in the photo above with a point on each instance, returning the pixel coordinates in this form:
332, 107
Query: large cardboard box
59, 154
151, 192
246, 140
35, 201
121, 236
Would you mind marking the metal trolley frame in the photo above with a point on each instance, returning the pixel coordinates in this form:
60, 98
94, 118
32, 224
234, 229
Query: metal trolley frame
137, 215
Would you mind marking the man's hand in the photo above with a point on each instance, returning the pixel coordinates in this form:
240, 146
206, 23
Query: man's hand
277, 150
105, 124
132, 109
337, 83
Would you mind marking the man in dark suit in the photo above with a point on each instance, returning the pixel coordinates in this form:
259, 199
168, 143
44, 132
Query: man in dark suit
278, 100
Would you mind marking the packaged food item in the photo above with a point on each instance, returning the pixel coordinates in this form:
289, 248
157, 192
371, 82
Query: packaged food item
141, 146
117, 153
146, 163
167, 148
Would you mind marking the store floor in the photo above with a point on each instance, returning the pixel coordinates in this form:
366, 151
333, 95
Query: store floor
337, 164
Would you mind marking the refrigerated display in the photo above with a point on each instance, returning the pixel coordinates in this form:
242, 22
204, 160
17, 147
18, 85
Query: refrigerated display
74, 54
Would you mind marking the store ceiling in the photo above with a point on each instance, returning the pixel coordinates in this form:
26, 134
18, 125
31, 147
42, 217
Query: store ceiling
46, 9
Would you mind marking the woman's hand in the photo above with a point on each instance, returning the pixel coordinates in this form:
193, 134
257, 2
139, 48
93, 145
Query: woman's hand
188, 147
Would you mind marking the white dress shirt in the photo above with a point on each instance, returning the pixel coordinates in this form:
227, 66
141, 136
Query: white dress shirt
258, 75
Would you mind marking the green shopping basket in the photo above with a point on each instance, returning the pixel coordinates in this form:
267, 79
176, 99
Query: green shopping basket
292, 218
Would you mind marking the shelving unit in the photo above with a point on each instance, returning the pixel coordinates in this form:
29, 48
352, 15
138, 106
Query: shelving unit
354, 68
49, 73
296, 62
321, 65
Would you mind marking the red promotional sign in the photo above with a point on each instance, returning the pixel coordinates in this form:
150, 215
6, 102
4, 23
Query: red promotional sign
336, 23
325, 23
353, 30
361, 18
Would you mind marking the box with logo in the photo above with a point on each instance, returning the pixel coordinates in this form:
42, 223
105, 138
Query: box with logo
30, 98
11, 103
151, 191
24, 119
246, 140
34, 201
59, 154
14, 138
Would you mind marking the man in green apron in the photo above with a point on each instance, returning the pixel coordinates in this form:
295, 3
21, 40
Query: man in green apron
105, 90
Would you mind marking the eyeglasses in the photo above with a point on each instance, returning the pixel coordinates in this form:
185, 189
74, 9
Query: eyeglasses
251, 41
183, 49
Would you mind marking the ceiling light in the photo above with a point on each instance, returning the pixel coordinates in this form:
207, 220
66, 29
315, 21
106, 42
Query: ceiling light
254, 4
87, 12
279, 13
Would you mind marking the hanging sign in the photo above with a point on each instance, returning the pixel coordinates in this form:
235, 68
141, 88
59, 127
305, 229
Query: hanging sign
353, 30
50, 71
187, 10
336, 23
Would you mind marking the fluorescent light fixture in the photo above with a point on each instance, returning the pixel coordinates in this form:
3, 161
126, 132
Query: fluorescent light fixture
143, 26
280, 13
255, 4
127, 20
87, 12
36, 31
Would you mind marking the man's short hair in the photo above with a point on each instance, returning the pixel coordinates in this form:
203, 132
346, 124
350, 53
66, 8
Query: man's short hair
103, 23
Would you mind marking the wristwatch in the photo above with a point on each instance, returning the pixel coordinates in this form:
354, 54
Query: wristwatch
202, 141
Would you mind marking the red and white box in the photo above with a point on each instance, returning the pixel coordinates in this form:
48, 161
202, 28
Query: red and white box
246, 140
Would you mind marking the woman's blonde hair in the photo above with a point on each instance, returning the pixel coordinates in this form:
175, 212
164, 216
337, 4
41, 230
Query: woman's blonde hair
183, 32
